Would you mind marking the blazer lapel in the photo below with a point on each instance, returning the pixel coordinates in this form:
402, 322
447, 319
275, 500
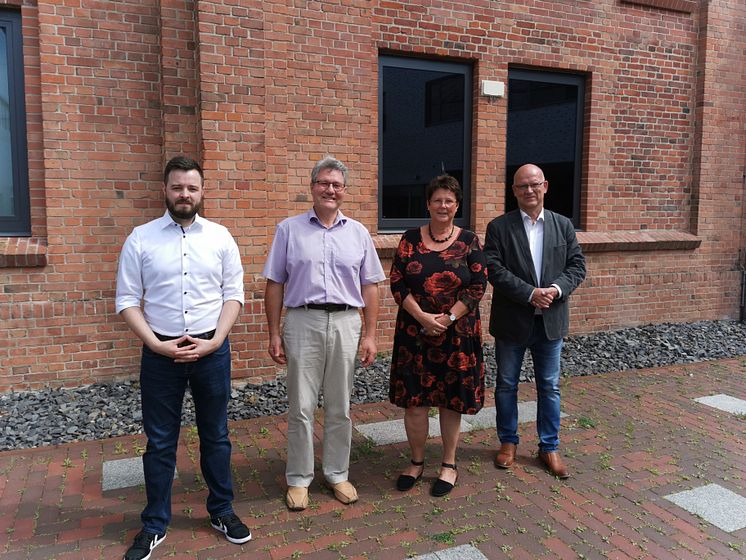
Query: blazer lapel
549, 241
519, 234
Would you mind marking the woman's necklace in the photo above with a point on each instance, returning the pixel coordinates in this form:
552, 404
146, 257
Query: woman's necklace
430, 232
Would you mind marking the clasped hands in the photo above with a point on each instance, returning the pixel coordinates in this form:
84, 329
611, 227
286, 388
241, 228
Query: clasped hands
542, 298
434, 324
186, 349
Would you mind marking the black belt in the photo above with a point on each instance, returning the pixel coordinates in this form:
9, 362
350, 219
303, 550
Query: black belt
328, 307
206, 336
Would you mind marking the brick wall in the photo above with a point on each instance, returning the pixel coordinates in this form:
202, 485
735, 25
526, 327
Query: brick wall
259, 91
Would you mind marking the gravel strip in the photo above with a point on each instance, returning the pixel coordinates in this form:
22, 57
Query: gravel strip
31, 419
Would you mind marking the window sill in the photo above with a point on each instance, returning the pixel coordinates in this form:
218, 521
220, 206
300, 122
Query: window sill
386, 244
591, 241
22, 252
685, 6
638, 240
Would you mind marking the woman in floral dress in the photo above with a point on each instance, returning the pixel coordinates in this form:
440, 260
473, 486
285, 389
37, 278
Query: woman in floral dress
437, 278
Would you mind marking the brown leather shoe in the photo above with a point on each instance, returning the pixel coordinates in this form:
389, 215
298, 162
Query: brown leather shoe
554, 463
344, 492
297, 498
506, 456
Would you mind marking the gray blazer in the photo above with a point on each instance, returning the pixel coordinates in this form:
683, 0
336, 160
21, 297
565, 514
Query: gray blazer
511, 273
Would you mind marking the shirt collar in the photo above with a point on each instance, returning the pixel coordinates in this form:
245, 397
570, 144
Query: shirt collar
341, 219
525, 216
166, 221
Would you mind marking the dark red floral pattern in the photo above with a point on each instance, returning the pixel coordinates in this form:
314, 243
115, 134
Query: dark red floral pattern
446, 370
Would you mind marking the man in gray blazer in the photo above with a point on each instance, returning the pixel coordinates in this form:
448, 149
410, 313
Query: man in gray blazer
534, 263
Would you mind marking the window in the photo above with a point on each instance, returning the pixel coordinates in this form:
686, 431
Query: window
14, 193
424, 131
545, 127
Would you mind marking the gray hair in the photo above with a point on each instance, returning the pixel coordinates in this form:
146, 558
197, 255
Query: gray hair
328, 162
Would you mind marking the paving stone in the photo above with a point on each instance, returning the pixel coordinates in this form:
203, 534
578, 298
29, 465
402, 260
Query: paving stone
463, 552
724, 402
485, 418
123, 473
715, 504
392, 431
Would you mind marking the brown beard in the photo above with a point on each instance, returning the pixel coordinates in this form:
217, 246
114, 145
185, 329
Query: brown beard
184, 214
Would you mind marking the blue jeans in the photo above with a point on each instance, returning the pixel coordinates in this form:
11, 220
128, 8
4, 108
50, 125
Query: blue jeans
546, 357
162, 386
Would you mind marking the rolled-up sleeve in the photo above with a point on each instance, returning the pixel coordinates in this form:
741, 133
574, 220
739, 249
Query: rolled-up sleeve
232, 273
129, 275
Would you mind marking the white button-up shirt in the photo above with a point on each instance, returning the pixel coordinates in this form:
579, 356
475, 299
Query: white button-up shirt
535, 234
181, 277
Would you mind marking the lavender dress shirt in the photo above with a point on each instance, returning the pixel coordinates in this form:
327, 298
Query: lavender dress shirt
322, 265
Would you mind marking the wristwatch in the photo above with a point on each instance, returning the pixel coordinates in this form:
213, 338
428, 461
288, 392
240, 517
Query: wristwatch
452, 318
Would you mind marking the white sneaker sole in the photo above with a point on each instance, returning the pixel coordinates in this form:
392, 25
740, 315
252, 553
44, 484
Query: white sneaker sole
227, 536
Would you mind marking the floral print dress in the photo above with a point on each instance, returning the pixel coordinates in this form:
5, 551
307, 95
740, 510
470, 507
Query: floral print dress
446, 370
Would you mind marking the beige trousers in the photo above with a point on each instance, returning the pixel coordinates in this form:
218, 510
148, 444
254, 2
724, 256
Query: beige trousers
320, 349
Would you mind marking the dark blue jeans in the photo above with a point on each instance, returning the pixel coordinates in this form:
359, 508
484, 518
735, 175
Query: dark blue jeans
162, 386
546, 357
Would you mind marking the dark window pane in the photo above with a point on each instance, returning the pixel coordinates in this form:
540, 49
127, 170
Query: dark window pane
545, 113
445, 100
14, 195
6, 170
425, 122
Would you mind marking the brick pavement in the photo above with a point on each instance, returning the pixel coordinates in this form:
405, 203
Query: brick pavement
630, 439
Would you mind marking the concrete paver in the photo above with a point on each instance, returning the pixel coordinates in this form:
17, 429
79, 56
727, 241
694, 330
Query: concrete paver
715, 504
122, 473
724, 402
631, 439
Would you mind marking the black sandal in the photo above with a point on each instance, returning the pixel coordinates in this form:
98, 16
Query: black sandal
442, 487
406, 482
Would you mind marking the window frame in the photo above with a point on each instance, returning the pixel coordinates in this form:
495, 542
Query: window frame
19, 224
397, 225
564, 78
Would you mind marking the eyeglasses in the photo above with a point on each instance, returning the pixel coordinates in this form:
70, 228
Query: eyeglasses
338, 187
447, 202
534, 186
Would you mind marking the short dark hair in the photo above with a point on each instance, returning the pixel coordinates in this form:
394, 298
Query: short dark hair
446, 182
328, 162
184, 164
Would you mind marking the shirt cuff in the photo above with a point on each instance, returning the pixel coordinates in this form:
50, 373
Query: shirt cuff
558, 289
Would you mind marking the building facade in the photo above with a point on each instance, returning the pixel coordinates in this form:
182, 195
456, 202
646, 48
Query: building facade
635, 109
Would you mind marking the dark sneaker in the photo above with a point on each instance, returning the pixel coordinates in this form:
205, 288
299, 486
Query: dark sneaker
143, 545
235, 531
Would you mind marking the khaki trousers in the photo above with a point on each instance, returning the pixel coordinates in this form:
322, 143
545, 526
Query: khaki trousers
320, 349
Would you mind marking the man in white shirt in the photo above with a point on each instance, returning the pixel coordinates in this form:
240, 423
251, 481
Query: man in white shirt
180, 290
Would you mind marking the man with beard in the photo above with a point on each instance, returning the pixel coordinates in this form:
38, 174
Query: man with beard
187, 273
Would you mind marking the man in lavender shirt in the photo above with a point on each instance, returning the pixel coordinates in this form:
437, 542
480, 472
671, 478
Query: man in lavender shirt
323, 268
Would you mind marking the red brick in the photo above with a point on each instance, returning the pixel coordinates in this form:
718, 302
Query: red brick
259, 92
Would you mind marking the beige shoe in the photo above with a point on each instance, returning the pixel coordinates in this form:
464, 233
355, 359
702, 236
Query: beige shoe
297, 498
344, 492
